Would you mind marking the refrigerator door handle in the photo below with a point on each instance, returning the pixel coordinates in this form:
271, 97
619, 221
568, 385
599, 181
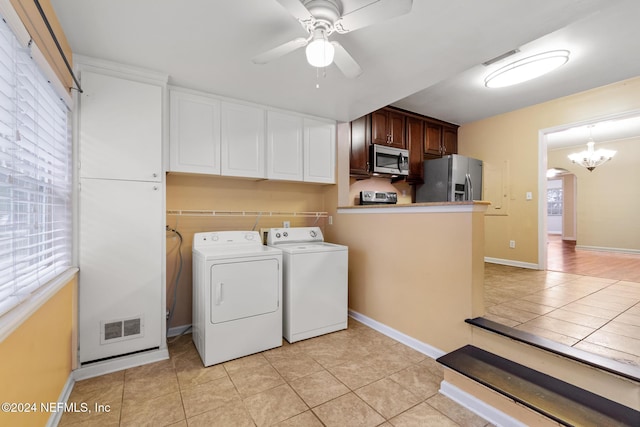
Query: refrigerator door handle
468, 188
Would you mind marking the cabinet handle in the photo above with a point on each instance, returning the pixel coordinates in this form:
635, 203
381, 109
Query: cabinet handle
155, 188
155, 175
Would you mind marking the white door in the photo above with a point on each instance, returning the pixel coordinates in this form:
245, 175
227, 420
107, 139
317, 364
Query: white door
244, 289
319, 151
284, 146
194, 134
120, 124
242, 139
120, 257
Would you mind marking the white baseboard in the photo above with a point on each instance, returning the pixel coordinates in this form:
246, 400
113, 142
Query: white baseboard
603, 249
512, 263
488, 412
177, 330
118, 364
423, 348
55, 417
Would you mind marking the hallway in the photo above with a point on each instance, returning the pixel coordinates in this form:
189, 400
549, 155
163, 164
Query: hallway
587, 300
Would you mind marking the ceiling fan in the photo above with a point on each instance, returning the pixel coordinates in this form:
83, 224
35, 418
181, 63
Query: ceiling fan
320, 18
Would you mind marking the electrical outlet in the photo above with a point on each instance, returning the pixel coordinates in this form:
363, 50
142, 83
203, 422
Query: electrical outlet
512, 244
286, 224
330, 218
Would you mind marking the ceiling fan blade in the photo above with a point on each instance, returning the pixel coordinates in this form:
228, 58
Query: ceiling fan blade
281, 50
375, 11
297, 9
345, 62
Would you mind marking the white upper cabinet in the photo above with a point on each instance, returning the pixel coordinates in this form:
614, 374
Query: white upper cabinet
242, 140
284, 146
120, 127
194, 133
217, 136
319, 151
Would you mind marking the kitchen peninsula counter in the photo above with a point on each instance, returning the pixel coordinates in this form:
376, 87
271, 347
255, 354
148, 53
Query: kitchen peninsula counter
417, 269
474, 206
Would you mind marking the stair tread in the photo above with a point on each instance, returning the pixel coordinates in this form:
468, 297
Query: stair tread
556, 399
615, 367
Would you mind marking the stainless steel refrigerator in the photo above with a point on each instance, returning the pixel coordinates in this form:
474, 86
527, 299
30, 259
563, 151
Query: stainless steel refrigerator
452, 178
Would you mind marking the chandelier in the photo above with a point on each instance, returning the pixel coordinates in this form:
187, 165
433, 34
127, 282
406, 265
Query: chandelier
591, 158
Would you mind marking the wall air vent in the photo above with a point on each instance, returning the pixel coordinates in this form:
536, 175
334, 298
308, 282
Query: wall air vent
121, 329
500, 57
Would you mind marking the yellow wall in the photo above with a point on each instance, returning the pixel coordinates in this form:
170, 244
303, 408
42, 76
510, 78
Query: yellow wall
512, 138
36, 359
200, 192
419, 273
608, 199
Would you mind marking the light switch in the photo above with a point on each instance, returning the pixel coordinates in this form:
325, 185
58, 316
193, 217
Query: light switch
529, 195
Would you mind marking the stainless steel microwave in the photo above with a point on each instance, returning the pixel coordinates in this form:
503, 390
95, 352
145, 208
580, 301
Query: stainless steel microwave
389, 160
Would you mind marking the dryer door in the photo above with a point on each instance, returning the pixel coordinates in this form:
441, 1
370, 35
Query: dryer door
244, 289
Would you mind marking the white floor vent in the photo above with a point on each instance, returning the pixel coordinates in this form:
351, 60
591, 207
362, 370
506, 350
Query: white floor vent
121, 329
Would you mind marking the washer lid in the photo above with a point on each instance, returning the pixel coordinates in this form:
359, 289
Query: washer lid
310, 247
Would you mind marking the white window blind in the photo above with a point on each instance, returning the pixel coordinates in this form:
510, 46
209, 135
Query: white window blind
35, 177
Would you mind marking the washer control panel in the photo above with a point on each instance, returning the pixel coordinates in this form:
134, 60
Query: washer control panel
294, 235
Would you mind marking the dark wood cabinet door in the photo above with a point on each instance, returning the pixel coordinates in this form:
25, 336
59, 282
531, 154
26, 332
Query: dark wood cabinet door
449, 141
415, 136
379, 127
359, 156
433, 139
395, 123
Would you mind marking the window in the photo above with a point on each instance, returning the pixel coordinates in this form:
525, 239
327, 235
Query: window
35, 176
554, 201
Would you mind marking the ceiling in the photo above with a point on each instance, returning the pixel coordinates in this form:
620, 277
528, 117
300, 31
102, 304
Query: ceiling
426, 61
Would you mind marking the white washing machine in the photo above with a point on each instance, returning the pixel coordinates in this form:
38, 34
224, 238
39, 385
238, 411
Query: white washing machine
237, 294
315, 281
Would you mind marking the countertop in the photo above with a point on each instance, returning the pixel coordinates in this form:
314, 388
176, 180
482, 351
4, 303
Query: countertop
474, 206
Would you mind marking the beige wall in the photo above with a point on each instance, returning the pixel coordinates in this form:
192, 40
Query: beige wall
511, 139
419, 273
608, 198
199, 192
37, 358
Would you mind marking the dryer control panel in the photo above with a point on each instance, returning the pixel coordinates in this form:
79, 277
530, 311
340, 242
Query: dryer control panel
219, 238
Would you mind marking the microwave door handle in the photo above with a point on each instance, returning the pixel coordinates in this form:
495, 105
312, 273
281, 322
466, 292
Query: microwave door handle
401, 162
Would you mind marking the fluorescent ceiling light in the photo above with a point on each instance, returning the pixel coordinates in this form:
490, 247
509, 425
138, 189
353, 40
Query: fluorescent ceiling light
527, 68
320, 51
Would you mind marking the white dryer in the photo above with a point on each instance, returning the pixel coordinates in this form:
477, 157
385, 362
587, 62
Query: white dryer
237, 294
315, 284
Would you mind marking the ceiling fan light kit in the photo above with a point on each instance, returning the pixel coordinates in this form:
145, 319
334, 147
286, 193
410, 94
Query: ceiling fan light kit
321, 18
527, 69
319, 51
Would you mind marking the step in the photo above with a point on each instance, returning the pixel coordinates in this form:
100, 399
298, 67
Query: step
621, 369
556, 400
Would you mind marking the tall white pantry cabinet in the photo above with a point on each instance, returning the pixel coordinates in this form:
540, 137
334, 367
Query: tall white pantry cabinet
121, 211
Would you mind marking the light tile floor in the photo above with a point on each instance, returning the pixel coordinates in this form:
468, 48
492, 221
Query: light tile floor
355, 377
598, 315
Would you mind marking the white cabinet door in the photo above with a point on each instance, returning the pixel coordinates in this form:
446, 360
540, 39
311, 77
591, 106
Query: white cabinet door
242, 139
194, 134
319, 151
120, 124
284, 146
120, 254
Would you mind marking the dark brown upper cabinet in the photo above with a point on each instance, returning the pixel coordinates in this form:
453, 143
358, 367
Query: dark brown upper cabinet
387, 128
